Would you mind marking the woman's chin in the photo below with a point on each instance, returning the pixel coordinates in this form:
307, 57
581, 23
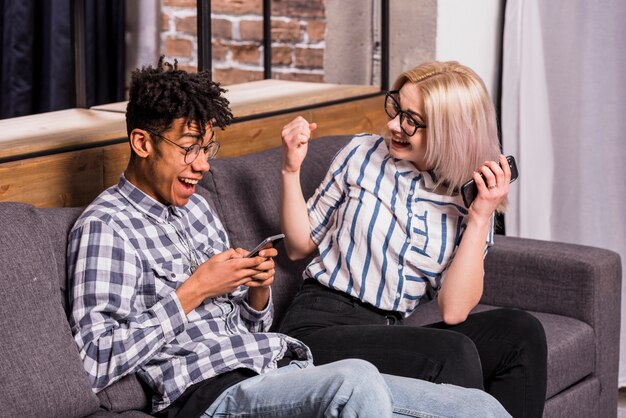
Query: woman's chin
398, 149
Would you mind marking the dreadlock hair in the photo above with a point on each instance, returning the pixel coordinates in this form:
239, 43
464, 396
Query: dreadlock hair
160, 95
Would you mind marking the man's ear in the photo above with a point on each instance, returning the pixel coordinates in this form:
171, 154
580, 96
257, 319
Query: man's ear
141, 143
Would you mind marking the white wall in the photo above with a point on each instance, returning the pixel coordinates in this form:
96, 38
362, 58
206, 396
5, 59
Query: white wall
468, 31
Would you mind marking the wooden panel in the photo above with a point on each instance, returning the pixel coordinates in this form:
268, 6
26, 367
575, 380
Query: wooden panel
68, 179
75, 178
115, 161
263, 96
348, 118
72, 128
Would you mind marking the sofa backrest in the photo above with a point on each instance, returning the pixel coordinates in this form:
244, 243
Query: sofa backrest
245, 192
41, 373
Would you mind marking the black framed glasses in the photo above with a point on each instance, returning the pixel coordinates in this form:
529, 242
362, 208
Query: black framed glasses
407, 123
192, 152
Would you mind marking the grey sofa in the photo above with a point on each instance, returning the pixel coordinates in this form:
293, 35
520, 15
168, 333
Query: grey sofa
573, 290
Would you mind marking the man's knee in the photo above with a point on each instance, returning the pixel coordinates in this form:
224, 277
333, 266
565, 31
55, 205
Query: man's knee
362, 383
355, 370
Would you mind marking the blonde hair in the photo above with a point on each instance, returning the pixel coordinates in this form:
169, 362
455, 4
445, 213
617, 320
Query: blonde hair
462, 132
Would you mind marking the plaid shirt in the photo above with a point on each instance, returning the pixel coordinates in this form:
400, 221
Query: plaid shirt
127, 255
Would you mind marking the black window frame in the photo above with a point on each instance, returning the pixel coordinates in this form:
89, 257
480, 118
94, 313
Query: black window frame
204, 51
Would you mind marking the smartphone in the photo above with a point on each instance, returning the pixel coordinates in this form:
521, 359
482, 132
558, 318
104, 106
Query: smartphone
273, 239
469, 191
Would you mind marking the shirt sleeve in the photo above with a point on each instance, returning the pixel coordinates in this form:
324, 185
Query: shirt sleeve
330, 194
255, 321
113, 338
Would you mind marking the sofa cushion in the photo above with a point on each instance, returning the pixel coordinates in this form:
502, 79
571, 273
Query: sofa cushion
125, 394
571, 350
245, 193
41, 373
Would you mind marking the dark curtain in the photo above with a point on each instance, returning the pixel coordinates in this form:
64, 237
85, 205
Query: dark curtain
36, 59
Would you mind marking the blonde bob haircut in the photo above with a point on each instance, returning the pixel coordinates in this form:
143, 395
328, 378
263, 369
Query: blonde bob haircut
462, 132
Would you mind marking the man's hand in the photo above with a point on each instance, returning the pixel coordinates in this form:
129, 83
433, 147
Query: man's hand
295, 136
224, 273
259, 286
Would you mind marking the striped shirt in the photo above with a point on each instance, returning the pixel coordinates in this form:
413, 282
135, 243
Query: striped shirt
383, 234
127, 255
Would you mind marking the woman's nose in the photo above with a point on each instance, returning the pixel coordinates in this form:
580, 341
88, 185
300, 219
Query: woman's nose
394, 124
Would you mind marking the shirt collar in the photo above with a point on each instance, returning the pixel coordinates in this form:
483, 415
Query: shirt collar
146, 204
427, 178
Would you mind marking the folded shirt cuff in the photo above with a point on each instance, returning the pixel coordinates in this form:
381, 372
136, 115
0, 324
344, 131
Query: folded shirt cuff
170, 315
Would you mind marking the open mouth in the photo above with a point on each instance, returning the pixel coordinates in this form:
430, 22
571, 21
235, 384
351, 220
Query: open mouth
399, 143
189, 184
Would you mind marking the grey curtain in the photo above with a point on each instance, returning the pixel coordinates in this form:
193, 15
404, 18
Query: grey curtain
564, 117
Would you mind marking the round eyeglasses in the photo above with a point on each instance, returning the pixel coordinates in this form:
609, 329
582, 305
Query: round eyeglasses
192, 152
407, 123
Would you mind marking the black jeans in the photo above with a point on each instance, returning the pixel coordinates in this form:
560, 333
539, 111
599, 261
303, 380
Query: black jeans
502, 351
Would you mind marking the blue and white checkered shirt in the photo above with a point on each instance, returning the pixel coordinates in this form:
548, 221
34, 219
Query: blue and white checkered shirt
127, 255
383, 234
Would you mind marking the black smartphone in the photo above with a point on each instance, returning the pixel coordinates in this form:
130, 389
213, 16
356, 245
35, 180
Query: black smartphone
273, 239
469, 191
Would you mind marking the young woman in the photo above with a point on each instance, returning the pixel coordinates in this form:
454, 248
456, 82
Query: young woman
391, 228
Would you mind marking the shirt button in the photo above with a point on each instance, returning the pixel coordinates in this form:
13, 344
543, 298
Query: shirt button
400, 267
408, 240
173, 275
410, 214
398, 294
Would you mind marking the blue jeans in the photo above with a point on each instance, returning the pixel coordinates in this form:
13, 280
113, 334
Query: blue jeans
348, 388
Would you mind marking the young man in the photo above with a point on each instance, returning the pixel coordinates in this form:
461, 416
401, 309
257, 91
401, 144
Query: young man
156, 289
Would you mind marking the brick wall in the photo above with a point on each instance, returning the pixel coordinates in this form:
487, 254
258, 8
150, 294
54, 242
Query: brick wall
298, 32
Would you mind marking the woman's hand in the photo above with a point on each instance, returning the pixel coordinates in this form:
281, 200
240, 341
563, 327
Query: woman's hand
493, 189
295, 136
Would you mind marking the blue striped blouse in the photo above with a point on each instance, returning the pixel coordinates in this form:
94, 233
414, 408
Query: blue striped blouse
383, 234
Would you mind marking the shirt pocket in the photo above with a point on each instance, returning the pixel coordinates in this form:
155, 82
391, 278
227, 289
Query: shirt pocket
168, 276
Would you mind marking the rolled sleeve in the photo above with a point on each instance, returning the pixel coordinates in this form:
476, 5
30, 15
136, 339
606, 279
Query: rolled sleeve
256, 321
170, 315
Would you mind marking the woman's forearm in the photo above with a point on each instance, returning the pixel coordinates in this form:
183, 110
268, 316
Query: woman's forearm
463, 285
294, 217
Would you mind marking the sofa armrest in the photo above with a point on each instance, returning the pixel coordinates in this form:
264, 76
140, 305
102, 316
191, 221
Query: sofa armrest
553, 277
565, 279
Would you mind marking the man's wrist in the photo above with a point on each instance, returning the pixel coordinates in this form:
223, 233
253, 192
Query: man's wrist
258, 297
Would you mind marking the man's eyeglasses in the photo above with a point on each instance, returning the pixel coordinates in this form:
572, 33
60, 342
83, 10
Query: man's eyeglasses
408, 125
192, 152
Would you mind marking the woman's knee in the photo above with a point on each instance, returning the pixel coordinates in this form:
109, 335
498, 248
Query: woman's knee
462, 366
522, 329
